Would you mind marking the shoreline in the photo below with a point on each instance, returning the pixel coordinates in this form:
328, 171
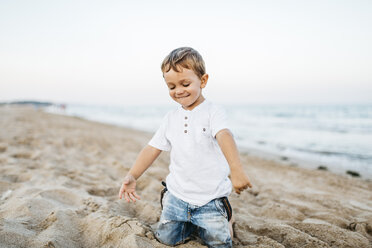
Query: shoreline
60, 176
303, 163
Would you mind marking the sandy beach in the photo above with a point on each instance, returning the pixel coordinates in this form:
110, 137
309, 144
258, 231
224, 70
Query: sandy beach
60, 177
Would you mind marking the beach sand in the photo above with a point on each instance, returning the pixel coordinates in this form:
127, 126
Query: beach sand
60, 177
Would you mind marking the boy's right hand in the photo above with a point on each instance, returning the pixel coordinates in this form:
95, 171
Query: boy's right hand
128, 188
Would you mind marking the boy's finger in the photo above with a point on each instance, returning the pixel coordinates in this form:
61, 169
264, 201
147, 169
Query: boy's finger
126, 196
121, 192
132, 197
137, 196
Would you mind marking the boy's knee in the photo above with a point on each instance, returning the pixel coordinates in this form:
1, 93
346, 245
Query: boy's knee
165, 239
168, 233
216, 239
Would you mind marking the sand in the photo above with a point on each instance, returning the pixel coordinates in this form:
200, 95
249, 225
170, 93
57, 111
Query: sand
60, 176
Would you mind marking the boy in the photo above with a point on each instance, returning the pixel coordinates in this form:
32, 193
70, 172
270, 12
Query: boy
202, 152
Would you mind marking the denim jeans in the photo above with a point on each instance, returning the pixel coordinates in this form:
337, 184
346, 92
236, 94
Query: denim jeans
179, 219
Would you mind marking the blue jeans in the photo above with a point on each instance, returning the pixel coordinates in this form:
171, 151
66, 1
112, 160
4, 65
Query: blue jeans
179, 219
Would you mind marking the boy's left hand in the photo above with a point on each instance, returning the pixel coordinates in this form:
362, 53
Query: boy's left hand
240, 181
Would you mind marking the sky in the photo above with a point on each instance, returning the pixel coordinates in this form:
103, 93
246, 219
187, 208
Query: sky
109, 52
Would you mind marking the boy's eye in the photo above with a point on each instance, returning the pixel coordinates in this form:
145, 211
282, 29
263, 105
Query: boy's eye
185, 85
172, 88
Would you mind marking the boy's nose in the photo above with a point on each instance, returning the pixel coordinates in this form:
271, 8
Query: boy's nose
179, 91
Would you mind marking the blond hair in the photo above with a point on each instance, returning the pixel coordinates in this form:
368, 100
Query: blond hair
185, 57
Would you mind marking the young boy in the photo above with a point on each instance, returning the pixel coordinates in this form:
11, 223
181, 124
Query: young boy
203, 153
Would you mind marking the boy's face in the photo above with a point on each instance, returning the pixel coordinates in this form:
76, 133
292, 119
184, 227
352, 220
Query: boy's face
185, 87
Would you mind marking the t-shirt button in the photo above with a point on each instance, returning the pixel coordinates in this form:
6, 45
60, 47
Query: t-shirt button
185, 131
185, 125
185, 117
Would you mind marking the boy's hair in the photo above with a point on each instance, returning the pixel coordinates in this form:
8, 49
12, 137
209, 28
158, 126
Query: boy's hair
185, 57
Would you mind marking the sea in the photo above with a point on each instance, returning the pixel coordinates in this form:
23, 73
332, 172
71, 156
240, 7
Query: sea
336, 138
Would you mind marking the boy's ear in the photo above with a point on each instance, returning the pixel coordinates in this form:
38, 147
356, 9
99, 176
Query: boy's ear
204, 80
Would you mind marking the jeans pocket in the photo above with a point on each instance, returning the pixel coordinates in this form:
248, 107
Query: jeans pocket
163, 200
220, 207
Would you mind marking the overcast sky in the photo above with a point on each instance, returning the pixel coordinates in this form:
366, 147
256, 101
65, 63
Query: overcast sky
109, 52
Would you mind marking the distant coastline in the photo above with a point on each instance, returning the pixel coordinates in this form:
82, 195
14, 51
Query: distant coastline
32, 103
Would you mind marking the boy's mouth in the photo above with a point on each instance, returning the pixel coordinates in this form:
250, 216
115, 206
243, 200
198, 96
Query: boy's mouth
180, 97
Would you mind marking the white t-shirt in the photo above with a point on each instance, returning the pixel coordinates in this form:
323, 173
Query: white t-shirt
198, 169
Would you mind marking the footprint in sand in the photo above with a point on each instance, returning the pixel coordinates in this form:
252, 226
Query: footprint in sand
91, 205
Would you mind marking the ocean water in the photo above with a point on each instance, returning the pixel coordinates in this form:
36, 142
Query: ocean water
338, 137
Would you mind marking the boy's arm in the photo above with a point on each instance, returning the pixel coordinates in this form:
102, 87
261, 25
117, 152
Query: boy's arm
227, 144
144, 160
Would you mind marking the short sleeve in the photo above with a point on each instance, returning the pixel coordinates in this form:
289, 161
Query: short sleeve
218, 120
159, 140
